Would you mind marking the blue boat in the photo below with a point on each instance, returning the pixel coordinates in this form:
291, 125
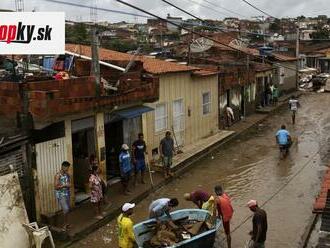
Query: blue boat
205, 239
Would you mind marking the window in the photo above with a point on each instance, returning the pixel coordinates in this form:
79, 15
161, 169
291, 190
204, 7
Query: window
160, 117
206, 103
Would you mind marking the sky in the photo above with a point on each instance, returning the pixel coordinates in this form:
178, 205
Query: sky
206, 9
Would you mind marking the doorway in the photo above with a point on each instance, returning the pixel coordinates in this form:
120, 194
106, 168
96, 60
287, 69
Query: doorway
117, 133
83, 147
113, 142
178, 121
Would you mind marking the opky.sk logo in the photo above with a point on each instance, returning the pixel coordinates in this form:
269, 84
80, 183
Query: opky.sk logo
21, 33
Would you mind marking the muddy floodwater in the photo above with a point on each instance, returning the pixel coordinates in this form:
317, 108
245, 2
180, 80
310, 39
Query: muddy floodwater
249, 168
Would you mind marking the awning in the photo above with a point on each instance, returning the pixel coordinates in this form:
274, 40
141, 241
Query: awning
127, 113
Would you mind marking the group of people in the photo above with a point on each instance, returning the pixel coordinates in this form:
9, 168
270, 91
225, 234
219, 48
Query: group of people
137, 160
219, 205
271, 95
131, 161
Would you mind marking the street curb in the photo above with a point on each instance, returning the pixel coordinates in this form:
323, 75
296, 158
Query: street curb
181, 169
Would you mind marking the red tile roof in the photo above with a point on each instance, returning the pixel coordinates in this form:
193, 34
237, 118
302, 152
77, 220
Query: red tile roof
259, 67
205, 72
282, 57
321, 199
154, 66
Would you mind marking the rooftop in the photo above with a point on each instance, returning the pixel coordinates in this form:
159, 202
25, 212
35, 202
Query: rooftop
154, 66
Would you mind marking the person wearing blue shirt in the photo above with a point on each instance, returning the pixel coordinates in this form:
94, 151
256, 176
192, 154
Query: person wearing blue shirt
283, 139
125, 168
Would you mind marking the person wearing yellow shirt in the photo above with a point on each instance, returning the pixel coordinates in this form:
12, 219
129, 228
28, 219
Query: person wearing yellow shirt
125, 226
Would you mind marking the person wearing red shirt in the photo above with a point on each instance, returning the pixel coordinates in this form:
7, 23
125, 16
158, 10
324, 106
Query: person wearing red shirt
225, 211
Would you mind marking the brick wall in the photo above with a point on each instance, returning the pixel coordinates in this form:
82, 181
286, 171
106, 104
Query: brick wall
49, 99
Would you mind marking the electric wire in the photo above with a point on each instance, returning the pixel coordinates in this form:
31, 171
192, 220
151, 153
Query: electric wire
199, 34
174, 24
221, 7
255, 7
97, 8
206, 7
198, 18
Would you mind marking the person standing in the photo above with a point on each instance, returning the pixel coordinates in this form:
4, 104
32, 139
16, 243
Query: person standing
166, 149
293, 105
259, 225
225, 211
62, 184
199, 197
139, 151
230, 116
125, 168
275, 95
126, 236
95, 184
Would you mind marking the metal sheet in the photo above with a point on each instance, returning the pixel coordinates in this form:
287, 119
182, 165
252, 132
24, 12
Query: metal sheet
50, 155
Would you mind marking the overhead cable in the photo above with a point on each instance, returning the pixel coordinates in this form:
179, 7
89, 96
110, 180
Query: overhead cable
199, 34
97, 8
255, 7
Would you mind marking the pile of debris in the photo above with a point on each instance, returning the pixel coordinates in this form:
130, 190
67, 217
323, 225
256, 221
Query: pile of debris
317, 83
169, 233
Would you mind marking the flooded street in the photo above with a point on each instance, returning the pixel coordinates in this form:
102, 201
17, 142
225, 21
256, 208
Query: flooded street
249, 168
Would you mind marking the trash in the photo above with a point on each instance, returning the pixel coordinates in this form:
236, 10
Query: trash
186, 235
107, 240
168, 233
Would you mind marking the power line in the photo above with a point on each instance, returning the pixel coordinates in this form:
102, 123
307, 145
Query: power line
199, 34
196, 17
97, 8
255, 7
206, 7
221, 7
173, 23
224, 29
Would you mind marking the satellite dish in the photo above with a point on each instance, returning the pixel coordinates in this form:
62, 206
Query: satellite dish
237, 43
200, 45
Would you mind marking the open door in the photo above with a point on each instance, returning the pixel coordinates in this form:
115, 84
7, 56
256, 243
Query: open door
178, 121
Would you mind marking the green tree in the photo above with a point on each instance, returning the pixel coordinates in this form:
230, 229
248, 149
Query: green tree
321, 33
275, 27
120, 45
77, 33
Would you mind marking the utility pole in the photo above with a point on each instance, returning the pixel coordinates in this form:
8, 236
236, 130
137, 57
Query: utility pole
19, 5
297, 56
95, 69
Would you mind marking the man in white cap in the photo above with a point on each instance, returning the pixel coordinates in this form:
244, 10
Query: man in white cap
125, 168
259, 224
126, 236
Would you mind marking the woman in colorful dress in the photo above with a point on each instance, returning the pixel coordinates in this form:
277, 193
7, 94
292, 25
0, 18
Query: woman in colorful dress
95, 185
